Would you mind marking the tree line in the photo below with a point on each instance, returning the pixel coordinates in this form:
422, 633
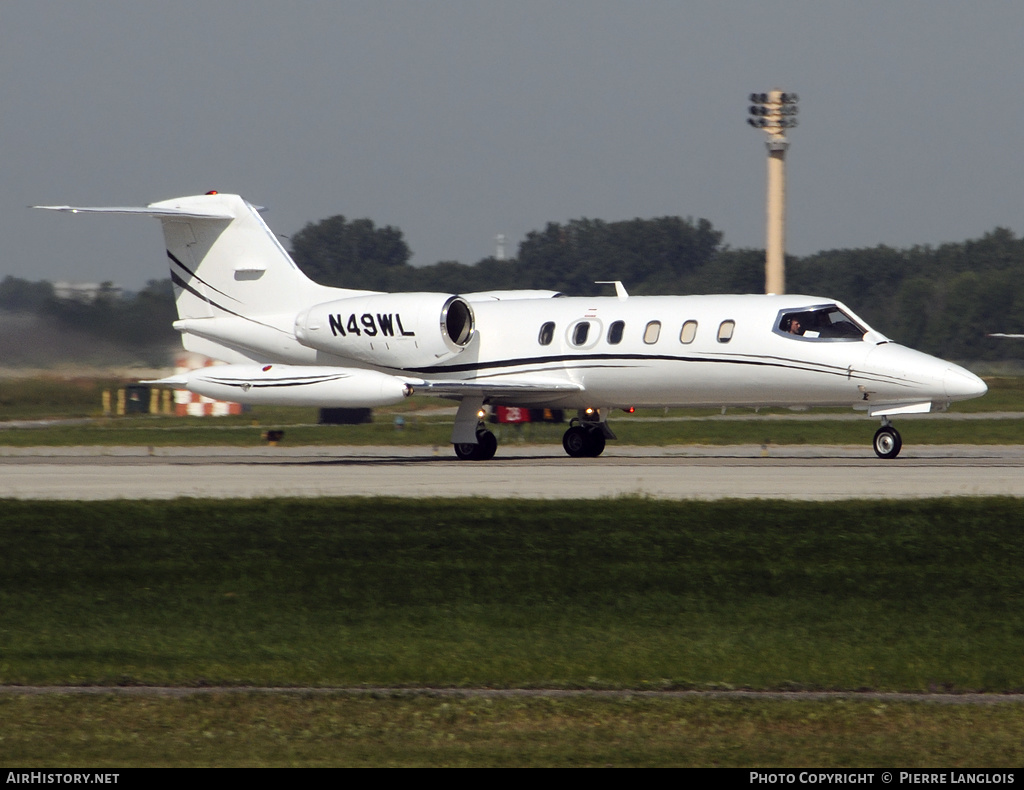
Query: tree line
942, 300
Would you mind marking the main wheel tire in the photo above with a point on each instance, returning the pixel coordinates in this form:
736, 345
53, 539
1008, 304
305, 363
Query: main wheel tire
575, 441
597, 442
888, 442
487, 445
580, 442
467, 452
483, 450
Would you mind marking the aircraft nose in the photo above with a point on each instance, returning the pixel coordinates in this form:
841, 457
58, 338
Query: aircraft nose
961, 384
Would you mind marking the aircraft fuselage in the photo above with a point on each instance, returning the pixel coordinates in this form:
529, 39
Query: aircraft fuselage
718, 350
287, 340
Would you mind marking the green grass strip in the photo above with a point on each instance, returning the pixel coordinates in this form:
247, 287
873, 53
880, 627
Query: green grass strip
256, 730
617, 594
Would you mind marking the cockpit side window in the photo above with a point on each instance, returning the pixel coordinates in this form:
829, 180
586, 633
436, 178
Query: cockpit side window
828, 322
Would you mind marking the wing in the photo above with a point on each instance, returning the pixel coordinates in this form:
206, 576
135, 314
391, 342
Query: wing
495, 389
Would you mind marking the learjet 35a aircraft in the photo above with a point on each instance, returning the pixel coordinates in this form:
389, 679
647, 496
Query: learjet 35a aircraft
289, 341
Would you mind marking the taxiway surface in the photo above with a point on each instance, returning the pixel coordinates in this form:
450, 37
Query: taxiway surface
800, 473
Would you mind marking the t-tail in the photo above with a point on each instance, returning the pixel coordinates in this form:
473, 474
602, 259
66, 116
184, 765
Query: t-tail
228, 269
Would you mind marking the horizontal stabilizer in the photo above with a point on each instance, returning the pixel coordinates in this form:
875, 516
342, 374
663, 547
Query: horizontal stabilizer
142, 211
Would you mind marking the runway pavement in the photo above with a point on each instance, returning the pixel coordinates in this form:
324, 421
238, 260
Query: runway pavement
683, 472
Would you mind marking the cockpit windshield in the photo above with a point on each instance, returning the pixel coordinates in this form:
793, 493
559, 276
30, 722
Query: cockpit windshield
826, 322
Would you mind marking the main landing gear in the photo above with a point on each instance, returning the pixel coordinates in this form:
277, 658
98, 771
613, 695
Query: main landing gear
586, 438
483, 450
888, 441
470, 437
581, 442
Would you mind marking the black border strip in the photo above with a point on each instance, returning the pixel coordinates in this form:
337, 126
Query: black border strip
561, 361
192, 274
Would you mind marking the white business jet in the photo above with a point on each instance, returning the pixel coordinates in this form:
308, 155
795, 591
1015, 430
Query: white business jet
289, 341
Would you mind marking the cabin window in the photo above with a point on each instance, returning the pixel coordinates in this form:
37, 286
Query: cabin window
828, 322
688, 332
615, 332
580, 333
652, 332
547, 333
725, 330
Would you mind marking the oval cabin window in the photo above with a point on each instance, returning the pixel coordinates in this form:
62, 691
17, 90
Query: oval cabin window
688, 332
652, 332
725, 330
547, 333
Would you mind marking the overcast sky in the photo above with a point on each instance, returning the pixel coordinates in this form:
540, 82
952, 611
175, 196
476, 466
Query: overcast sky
456, 120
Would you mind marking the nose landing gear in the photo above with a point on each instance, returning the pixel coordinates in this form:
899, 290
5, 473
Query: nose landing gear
888, 441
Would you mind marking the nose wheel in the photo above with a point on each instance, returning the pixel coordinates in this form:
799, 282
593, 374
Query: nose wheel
888, 442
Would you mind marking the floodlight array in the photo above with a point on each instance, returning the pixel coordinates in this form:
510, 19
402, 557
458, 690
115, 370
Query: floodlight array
774, 112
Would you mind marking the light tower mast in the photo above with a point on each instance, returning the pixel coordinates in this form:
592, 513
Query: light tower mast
775, 112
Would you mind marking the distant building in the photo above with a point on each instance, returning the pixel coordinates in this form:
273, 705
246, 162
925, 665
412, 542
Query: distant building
86, 293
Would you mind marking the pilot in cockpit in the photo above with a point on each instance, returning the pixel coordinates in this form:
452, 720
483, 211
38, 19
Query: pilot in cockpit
825, 324
791, 324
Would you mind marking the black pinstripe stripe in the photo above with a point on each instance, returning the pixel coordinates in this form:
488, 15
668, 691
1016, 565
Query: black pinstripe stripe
195, 276
614, 361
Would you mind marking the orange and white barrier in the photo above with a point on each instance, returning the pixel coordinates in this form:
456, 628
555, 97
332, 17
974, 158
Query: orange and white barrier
189, 404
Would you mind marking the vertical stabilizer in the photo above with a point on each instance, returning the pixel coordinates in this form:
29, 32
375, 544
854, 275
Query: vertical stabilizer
236, 289
225, 261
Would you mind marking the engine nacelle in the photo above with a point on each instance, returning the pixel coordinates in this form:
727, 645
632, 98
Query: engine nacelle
295, 385
402, 330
